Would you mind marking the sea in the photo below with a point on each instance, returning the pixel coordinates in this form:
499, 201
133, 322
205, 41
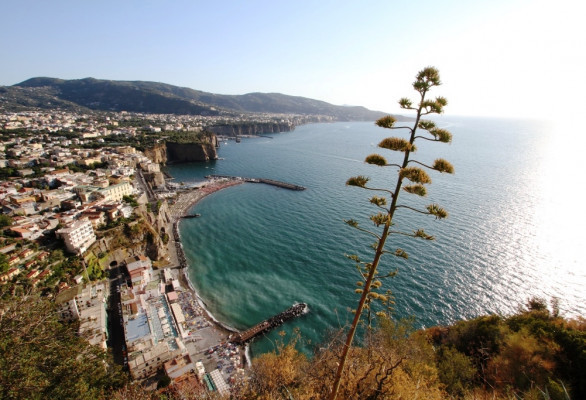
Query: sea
514, 231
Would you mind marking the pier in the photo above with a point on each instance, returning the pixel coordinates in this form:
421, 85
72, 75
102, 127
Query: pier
295, 311
272, 182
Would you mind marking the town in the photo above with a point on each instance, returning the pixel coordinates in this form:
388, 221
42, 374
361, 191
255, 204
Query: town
77, 210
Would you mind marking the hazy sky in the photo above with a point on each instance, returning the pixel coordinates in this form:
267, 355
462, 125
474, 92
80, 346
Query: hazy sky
496, 57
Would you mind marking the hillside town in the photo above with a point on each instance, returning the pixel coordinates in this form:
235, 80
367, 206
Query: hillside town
99, 125
66, 212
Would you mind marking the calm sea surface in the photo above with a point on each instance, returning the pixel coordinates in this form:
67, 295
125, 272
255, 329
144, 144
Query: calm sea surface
514, 229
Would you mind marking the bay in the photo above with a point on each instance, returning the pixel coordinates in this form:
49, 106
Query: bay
512, 232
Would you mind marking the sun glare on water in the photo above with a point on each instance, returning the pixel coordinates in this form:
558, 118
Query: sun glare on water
558, 214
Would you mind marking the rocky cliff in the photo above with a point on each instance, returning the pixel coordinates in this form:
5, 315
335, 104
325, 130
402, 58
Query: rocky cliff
143, 236
157, 154
188, 152
251, 129
171, 152
155, 179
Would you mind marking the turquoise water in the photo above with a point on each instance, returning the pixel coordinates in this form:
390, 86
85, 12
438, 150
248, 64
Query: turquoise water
257, 249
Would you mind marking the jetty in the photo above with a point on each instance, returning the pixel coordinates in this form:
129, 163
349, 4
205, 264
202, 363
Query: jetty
272, 182
260, 329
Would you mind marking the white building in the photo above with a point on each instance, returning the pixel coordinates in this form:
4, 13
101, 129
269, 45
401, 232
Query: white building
86, 303
88, 193
147, 362
78, 236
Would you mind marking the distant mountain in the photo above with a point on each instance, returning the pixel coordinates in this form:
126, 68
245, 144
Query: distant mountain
161, 98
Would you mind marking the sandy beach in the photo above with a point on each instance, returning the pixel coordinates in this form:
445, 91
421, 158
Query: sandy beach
188, 198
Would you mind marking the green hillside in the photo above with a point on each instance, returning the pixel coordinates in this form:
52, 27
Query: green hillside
161, 98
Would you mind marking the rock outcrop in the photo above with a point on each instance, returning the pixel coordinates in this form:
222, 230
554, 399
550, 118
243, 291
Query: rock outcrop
158, 224
143, 236
155, 179
251, 129
157, 154
171, 152
189, 152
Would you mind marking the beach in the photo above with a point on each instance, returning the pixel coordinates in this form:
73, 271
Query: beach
188, 198
183, 202
208, 339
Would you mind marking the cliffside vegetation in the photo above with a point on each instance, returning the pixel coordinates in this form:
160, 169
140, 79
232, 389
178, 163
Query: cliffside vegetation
145, 140
202, 137
534, 354
42, 358
131, 236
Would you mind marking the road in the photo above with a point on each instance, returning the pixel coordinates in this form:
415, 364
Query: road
145, 186
116, 339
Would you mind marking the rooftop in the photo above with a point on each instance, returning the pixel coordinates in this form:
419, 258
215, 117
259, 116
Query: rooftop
137, 328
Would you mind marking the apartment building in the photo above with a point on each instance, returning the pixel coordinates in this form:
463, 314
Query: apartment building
78, 236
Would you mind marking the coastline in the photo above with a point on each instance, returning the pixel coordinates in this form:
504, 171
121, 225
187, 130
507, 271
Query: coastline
217, 337
187, 199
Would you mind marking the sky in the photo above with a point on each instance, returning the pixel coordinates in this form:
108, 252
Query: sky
501, 58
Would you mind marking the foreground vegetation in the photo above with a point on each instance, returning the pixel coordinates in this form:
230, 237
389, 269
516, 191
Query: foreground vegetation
534, 354
41, 358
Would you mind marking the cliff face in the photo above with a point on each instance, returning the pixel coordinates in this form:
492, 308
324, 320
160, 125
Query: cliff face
155, 179
141, 237
188, 152
171, 152
157, 154
251, 129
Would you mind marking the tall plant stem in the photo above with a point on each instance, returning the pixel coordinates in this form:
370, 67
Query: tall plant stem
372, 271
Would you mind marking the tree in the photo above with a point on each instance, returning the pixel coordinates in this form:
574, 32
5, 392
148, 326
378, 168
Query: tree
4, 266
456, 370
279, 374
5, 220
370, 282
41, 358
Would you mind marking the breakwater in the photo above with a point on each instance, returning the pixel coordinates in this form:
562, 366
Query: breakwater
295, 311
272, 182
